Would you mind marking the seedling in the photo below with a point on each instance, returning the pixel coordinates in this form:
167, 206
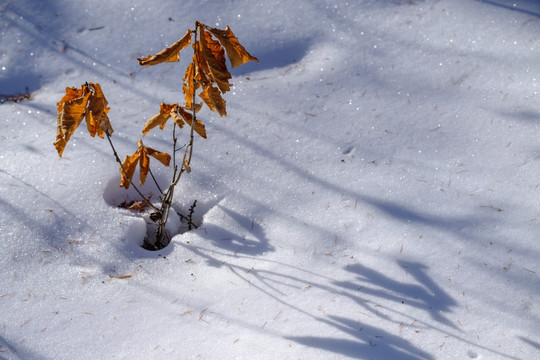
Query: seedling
207, 72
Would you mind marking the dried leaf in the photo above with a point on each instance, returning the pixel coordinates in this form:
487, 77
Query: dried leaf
185, 166
201, 67
189, 86
144, 164
71, 111
236, 53
129, 164
87, 102
176, 117
214, 56
169, 54
162, 157
97, 120
188, 118
140, 156
212, 98
159, 119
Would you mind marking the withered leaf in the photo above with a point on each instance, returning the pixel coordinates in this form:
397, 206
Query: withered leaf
159, 119
169, 54
140, 156
188, 118
179, 116
97, 120
236, 53
87, 102
212, 97
129, 164
201, 67
189, 86
71, 111
214, 56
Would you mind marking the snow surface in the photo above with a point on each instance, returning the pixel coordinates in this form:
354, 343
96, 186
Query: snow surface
373, 193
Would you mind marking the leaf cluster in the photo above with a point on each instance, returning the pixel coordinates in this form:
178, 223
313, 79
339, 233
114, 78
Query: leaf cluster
88, 103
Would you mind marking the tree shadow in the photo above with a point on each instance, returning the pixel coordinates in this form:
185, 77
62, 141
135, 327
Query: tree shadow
426, 295
56, 224
11, 351
356, 340
17, 84
527, 115
367, 342
532, 343
511, 5
245, 236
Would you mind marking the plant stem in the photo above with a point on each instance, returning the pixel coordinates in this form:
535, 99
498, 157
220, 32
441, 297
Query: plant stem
155, 181
126, 175
167, 199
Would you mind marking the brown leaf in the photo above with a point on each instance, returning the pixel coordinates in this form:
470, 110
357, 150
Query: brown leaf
169, 54
71, 111
188, 118
212, 98
159, 119
214, 55
176, 117
140, 156
97, 120
87, 102
162, 157
144, 163
236, 53
189, 86
71, 94
129, 164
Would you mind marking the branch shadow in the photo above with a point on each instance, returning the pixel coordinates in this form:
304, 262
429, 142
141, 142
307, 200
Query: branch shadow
357, 340
369, 342
511, 5
532, 343
244, 236
426, 295
16, 84
53, 231
11, 351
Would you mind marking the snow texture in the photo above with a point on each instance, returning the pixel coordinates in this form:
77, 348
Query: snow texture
373, 193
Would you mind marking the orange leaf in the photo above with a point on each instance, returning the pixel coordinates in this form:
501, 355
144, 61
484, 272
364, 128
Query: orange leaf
187, 86
159, 119
199, 126
236, 53
162, 157
87, 102
71, 111
178, 120
97, 120
71, 94
129, 164
212, 98
214, 55
169, 54
144, 163
140, 156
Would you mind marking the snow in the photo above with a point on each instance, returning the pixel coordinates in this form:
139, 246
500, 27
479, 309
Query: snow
372, 194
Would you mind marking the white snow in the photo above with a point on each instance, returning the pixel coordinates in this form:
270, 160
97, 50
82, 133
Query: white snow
373, 193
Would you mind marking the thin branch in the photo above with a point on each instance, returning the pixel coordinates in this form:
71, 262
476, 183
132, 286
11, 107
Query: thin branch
155, 181
126, 175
